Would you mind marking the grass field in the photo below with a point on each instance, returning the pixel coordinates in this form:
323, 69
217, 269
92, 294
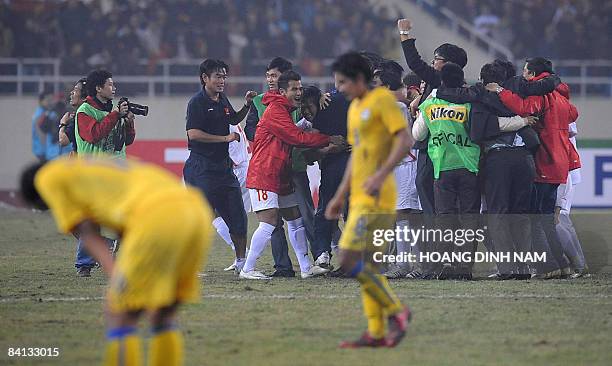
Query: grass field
295, 322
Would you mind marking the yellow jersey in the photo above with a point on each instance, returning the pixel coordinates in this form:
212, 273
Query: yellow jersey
373, 120
111, 193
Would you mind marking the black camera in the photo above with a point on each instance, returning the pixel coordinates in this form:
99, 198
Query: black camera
137, 109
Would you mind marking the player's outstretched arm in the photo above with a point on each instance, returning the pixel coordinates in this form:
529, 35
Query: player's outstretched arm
198, 135
95, 245
539, 87
239, 116
522, 107
283, 128
402, 142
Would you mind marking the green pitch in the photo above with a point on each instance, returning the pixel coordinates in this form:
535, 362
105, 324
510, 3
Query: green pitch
296, 322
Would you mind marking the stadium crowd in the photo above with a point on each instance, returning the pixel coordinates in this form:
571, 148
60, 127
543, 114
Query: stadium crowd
237, 30
556, 28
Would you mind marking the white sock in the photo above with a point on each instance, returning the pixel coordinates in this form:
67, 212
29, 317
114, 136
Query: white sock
297, 237
239, 262
260, 238
402, 245
223, 231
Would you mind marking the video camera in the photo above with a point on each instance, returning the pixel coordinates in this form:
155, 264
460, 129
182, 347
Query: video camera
137, 109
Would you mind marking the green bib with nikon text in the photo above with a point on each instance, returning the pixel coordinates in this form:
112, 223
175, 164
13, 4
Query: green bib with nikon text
106, 145
449, 146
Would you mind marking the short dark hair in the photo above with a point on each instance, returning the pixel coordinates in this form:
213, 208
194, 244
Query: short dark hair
209, 66
452, 75
538, 65
280, 63
43, 94
96, 78
492, 73
412, 79
393, 66
374, 59
352, 64
286, 77
452, 53
508, 67
390, 79
311, 94
28, 190
83, 82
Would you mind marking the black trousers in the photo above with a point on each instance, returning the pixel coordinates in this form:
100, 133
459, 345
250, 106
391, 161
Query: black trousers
425, 182
280, 248
425, 188
457, 204
509, 174
332, 172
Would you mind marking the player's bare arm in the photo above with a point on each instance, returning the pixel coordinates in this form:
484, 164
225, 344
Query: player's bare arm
198, 135
95, 244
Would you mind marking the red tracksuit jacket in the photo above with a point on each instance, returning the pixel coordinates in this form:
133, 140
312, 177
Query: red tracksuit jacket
270, 165
556, 155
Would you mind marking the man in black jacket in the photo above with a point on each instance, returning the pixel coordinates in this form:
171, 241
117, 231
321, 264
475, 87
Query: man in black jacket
330, 121
430, 74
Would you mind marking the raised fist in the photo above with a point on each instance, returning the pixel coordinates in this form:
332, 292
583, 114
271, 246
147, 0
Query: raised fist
248, 97
404, 25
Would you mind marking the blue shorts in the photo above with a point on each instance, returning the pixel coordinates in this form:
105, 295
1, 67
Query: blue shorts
222, 190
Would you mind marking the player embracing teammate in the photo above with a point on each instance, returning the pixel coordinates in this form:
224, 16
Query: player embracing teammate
269, 175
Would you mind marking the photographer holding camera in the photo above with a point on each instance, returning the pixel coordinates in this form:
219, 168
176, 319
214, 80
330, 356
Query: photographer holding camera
100, 128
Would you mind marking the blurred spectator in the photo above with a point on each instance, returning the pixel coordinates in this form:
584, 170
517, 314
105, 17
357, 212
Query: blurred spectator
7, 41
45, 129
344, 43
298, 40
486, 21
317, 40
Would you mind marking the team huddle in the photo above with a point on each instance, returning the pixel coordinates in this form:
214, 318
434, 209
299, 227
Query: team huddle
394, 151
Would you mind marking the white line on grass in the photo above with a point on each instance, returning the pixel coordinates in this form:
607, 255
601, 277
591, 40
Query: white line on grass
322, 297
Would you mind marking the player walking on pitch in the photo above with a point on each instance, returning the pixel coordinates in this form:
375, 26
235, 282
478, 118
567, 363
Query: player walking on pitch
164, 243
380, 139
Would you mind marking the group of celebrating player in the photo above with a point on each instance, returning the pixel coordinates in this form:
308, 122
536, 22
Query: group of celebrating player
386, 179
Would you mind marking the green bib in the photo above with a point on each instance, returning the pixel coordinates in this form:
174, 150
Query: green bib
449, 146
298, 163
106, 145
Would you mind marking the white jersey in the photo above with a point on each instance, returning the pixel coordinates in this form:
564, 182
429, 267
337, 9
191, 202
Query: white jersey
239, 151
576, 176
565, 192
405, 173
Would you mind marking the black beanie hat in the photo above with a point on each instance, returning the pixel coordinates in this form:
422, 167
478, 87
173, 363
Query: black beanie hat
451, 75
452, 53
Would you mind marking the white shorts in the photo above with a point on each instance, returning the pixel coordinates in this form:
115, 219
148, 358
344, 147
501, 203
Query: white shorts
241, 174
405, 180
263, 200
